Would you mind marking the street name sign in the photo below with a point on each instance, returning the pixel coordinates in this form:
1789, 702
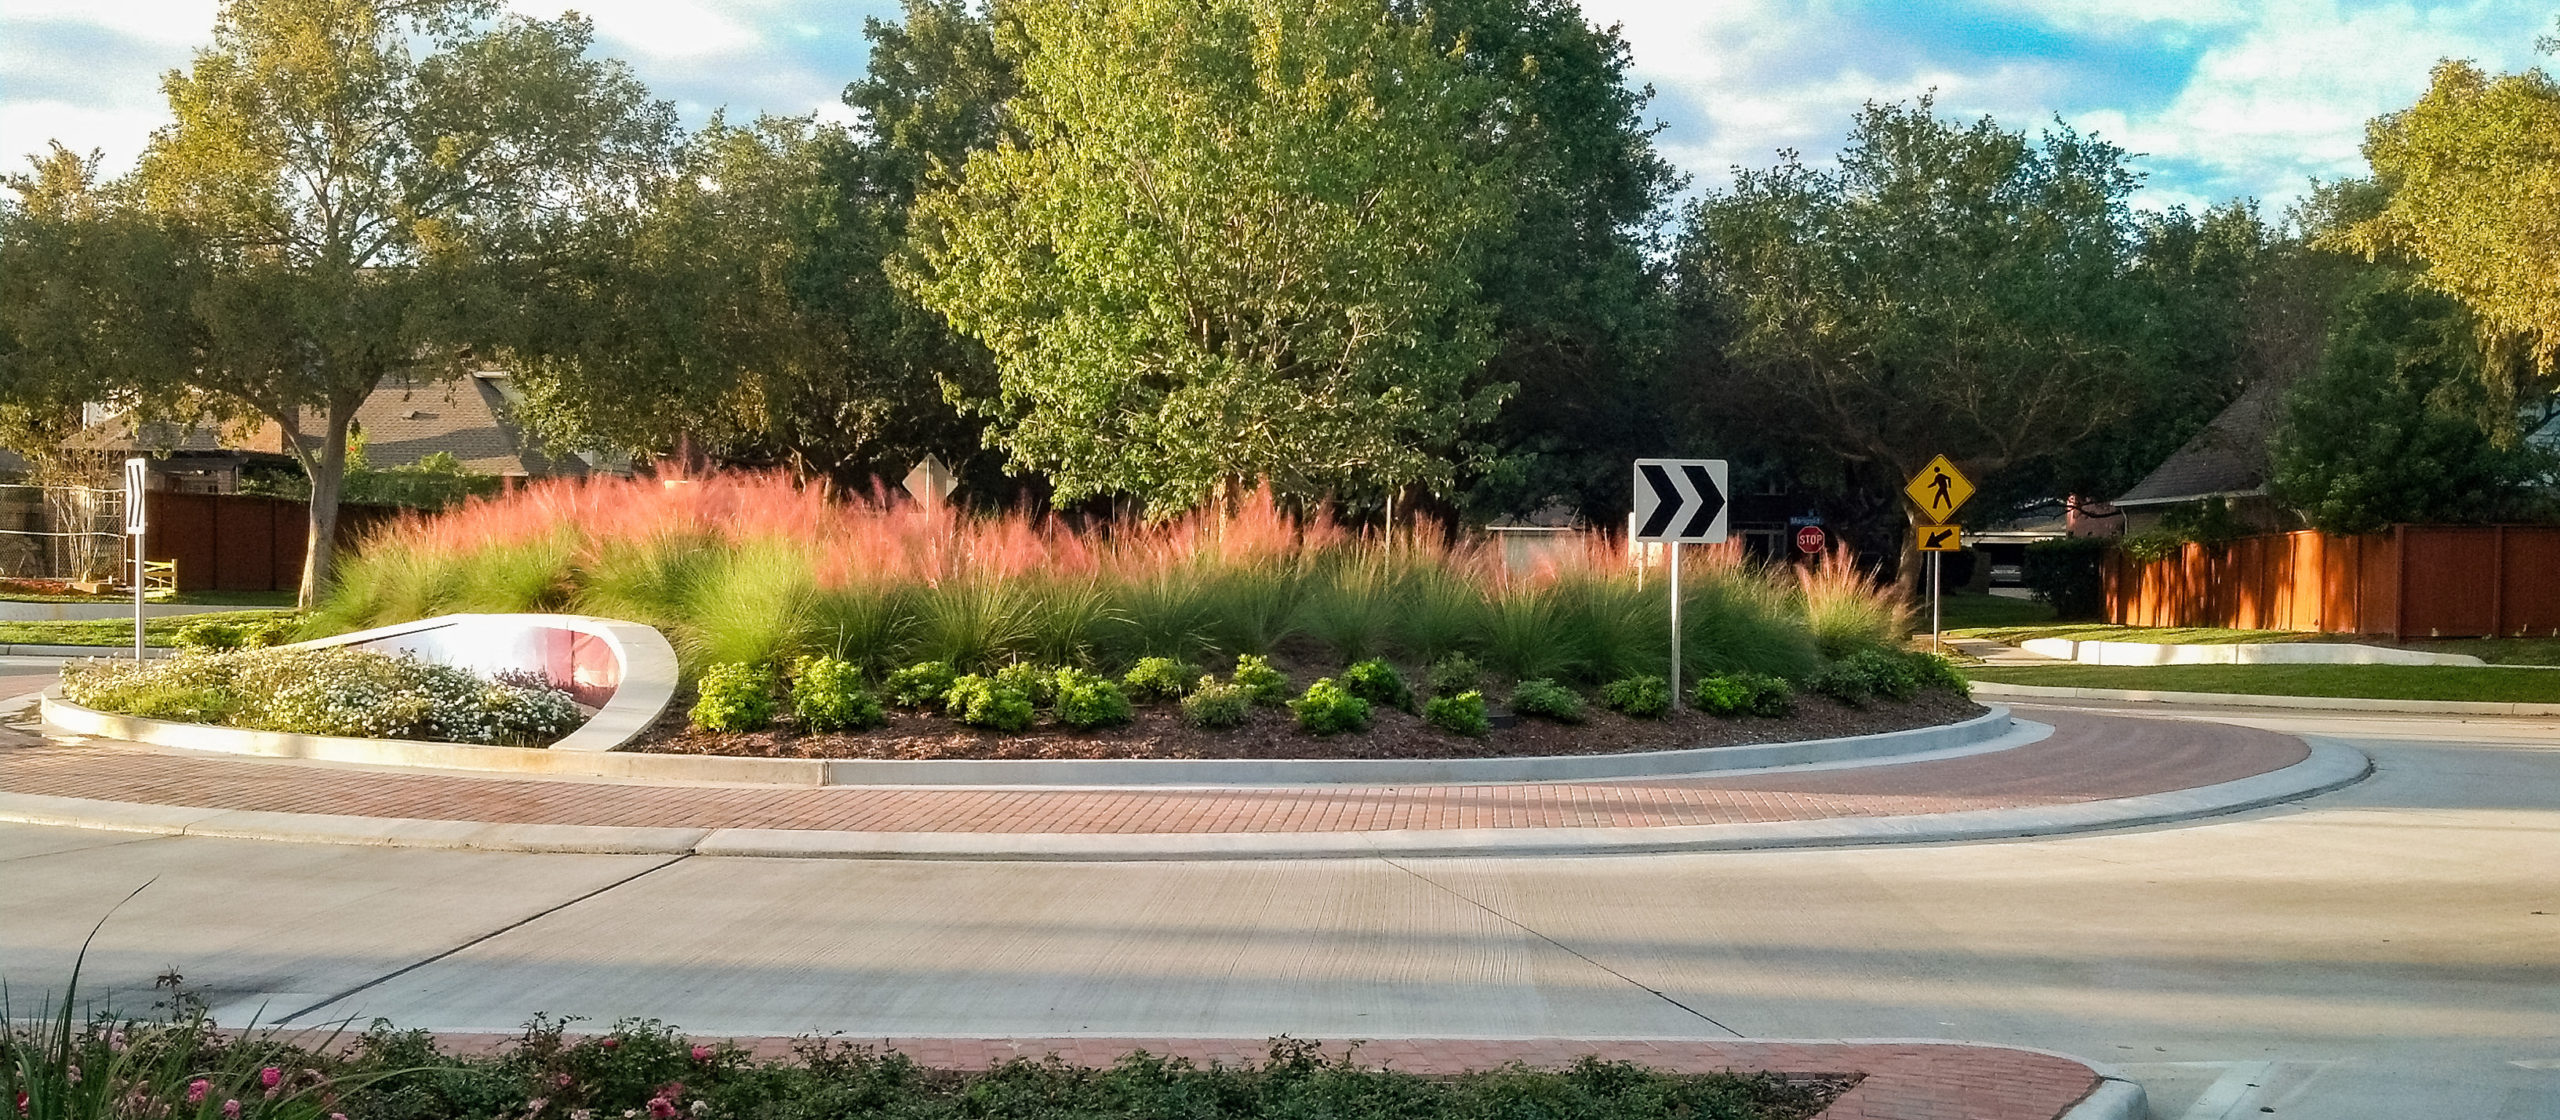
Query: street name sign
1680, 501
1940, 538
1939, 490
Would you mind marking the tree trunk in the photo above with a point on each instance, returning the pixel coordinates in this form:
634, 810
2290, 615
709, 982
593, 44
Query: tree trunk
328, 470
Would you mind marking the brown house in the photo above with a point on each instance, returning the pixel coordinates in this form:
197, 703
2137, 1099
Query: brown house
2227, 460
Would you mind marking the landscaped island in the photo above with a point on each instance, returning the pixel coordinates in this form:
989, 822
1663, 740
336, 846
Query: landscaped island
814, 626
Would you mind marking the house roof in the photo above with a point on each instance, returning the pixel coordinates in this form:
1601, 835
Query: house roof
403, 422
2228, 459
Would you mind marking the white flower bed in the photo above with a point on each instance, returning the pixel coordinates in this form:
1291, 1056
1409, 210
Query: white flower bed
329, 692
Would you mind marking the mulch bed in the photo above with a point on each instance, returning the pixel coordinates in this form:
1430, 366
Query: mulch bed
1160, 732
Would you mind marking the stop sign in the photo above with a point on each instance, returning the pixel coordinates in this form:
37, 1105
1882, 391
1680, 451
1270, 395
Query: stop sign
1809, 539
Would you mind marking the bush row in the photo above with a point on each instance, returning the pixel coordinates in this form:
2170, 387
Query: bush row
328, 692
827, 694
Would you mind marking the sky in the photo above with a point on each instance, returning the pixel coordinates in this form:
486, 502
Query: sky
2218, 98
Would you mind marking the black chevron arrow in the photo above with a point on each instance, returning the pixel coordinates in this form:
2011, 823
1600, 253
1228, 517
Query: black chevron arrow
1938, 538
1666, 500
1710, 500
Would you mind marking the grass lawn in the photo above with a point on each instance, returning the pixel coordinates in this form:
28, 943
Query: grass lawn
189, 598
1960, 612
2379, 682
2156, 635
2498, 651
113, 631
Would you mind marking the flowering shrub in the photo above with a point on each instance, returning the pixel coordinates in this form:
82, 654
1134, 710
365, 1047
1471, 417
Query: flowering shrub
1087, 701
735, 697
1461, 712
1539, 696
329, 692
827, 695
1328, 708
1158, 678
1217, 705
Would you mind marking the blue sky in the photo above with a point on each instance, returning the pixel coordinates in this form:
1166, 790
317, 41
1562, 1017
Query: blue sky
2222, 97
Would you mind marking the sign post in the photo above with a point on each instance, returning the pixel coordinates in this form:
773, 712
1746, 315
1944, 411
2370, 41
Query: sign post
136, 474
1679, 501
1939, 490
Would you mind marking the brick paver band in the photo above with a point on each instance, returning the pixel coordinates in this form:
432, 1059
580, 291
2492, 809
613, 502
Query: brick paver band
2088, 758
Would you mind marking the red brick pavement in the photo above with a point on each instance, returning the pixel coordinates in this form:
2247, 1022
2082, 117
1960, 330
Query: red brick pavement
2089, 757
1898, 1080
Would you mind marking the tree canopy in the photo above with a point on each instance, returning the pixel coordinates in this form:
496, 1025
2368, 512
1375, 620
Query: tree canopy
1235, 244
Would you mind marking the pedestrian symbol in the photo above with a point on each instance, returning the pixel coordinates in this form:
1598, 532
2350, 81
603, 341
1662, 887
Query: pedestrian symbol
1939, 490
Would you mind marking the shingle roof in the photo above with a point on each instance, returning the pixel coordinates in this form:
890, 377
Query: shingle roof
402, 422
2227, 459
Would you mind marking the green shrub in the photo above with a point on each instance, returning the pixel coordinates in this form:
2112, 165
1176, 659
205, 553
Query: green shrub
1539, 696
735, 696
2067, 573
210, 634
1461, 712
1938, 673
284, 629
1741, 694
1156, 679
1643, 697
1860, 677
982, 702
1378, 683
1328, 708
1455, 673
1087, 701
1216, 705
1036, 683
827, 695
1259, 680
921, 685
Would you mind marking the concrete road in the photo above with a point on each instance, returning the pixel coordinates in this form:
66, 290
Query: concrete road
2392, 950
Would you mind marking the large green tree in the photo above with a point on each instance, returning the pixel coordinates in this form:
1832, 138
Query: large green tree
1945, 288
342, 187
1235, 242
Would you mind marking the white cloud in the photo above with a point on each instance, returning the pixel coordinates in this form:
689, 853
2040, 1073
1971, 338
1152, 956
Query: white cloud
177, 22
659, 29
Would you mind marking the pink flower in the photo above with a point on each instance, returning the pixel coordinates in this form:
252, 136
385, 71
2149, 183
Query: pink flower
660, 1108
196, 1090
701, 1053
535, 1105
563, 1080
337, 1116
270, 1077
611, 1042
231, 1110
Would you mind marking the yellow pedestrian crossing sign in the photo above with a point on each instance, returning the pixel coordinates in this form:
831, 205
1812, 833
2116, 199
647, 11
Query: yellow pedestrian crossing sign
1939, 490
1938, 538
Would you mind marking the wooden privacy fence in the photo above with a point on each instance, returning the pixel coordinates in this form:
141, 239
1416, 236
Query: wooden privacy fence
2416, 581
242, 542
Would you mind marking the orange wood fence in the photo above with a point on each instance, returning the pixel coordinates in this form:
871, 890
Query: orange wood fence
2415, 581
242, 542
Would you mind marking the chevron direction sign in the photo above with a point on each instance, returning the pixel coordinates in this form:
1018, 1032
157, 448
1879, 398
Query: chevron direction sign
1680, 501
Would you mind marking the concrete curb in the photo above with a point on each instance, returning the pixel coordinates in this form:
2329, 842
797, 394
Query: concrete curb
2113, 1099
2331, 765
2001, 691
125, 650
1980, 732
2237, 653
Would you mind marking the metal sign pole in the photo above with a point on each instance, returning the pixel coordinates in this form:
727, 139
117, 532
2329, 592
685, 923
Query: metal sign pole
1936, 643
135, 482
1675, 625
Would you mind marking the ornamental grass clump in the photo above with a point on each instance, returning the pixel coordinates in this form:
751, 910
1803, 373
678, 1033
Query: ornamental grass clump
1462, 713
734, 696
1087, 701
827, 694
1847, 610
1327, 708
331, 691
1546, 699
1158, 679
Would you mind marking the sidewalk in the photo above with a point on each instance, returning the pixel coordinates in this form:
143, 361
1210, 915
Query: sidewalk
2093, 771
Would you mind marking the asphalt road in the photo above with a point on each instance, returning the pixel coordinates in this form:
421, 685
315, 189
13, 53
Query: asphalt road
2390, 950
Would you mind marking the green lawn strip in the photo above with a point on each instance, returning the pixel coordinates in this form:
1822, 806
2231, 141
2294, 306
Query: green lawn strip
1968, 610
2376, 682
188, 598
2148, 635
114, 631
2497, 651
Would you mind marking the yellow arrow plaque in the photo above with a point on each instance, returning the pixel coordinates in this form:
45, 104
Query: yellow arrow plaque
1939, 538
1939, 490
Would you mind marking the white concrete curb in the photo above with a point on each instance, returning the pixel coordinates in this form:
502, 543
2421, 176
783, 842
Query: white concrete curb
2237, 653
1981, 731
2331, 765
2244, 700
2113, 1099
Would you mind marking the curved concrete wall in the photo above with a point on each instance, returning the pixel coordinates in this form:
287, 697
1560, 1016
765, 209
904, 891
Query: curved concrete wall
2237, 653
623, 670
